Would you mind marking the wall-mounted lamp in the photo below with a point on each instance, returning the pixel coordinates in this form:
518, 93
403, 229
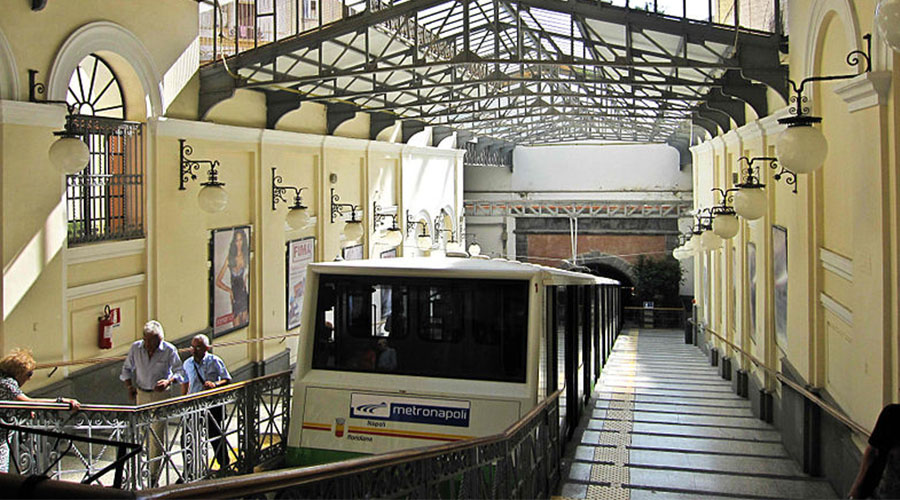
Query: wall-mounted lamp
353, 229
68, 153
725, 222
212, 198
708, 240
391, 236
685, 248
887, 19
423, 239
474, 248
298, 214
750, 198
802, 148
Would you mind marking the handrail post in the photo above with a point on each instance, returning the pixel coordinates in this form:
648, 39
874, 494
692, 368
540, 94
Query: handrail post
249, 438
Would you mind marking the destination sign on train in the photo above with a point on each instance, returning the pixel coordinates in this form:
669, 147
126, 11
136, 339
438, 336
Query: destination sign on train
415, 410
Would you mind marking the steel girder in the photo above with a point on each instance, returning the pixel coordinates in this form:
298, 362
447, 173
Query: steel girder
523, 71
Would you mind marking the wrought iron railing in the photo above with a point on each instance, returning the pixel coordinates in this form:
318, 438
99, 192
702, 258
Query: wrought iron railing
656, 317
521, 462
254, 425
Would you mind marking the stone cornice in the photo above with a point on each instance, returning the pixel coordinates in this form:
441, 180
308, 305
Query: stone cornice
189, 129
32, 114
285, 138
865, 91
770, 123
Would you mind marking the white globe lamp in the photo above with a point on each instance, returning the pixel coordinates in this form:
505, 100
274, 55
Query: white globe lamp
726, 225
392, 237
298, 217
709, 241
69, 154
212, 198
353, 230
750, 202
801, 148
423, 242
887, 21
474, 249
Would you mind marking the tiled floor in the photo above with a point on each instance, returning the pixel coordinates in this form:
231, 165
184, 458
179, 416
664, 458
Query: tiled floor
665, 425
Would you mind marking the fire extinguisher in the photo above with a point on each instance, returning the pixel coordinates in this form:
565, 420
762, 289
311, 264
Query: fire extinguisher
106, 326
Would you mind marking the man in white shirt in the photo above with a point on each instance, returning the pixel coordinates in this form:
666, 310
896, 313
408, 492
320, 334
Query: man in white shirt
204, 371
150, 368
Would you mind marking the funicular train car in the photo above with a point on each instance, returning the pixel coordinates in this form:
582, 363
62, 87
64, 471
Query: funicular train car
403, 353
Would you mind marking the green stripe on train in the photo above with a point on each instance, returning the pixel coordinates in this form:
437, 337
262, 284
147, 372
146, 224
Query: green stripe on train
302, 457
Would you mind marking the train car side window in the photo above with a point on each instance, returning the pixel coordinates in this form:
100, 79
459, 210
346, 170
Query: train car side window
451, 328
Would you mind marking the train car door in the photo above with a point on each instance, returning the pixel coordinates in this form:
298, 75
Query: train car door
572, 347
597, 324
587, 336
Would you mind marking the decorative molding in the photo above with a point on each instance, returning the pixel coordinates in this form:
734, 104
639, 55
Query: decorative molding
9, 81
285, 138
432, 151
702, 148
386, 147
173, 127
819, 13
769, 123
346, 143
751, 131
103, 251
105, 36
732, 139
839, 310
836, 263
77, 292
32, 114
865, 91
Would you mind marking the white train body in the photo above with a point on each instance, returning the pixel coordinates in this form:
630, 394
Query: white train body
403, 353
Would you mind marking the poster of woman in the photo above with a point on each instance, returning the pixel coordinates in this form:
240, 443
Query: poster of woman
299, 254
231, 279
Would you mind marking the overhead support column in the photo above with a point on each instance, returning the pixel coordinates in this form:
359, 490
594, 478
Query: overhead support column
338, 113
378, 122
754, 94
278, 104
732, 107
411, 128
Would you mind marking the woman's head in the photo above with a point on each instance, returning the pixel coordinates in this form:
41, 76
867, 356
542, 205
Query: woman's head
239, 246
18, 364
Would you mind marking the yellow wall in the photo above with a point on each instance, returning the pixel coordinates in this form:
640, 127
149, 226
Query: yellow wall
841, 224
52, 295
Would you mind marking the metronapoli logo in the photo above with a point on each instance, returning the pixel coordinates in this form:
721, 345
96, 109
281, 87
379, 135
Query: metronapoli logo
414, 410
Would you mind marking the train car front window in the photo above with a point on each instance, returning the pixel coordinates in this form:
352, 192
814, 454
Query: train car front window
447, 328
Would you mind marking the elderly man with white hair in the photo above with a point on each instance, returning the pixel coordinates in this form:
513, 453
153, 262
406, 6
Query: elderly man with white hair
150, 369
204, 371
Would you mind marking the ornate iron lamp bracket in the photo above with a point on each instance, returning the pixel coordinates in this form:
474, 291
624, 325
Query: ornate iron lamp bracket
798, 101
338, 209
753, 179
189, 165
278, 192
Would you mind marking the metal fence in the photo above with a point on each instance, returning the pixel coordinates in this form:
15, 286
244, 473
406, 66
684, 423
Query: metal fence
656, 317
254, 424
522, 462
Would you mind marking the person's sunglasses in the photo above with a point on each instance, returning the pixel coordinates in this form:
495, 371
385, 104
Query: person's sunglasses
29, 374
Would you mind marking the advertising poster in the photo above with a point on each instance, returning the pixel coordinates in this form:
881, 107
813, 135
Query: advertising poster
352, 253
780, 269
300, 253
230, 277
751, 275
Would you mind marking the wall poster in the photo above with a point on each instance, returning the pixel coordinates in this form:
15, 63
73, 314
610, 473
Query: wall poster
354, 252
780, 271
751, 277
389, 254
230, 279
299, 254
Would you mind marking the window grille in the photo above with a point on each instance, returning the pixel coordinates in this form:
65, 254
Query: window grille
105, 201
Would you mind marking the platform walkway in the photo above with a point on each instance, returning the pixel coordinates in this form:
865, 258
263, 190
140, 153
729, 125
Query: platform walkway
664, 425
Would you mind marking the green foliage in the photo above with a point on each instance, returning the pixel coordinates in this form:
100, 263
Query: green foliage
658, 280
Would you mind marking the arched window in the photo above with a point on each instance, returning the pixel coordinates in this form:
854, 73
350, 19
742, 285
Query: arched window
105, 201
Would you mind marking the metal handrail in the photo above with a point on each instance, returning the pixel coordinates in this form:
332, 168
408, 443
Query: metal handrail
118, 464
21, 405
834, 412
250, 484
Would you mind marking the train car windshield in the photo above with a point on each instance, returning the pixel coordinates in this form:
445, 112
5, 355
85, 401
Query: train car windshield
450, 328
